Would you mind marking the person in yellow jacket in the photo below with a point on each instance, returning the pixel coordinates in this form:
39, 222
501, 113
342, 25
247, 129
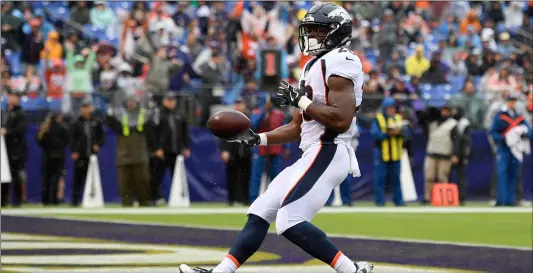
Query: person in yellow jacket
388, 132
417, 64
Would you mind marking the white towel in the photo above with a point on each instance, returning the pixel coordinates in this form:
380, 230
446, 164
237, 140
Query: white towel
516, 144
354, 164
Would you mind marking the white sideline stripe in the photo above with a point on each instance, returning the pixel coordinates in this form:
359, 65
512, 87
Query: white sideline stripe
331, 235
184, 211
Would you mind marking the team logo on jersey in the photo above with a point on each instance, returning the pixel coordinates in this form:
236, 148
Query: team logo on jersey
340, 12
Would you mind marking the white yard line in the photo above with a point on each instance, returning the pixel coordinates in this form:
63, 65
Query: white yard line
245, 269
328, 210
332, 235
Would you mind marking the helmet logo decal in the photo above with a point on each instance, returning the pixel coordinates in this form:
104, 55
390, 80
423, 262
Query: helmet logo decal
308, 18
342, 13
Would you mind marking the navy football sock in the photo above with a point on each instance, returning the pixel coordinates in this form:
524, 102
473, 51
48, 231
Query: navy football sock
313, 241
250, 238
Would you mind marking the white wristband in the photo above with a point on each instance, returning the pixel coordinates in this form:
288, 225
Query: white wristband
304, 102
263, 138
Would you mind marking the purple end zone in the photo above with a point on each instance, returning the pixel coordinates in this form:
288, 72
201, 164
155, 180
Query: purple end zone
406, 253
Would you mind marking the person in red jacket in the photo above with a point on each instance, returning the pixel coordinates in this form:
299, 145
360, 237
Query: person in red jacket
264, 118
55, 79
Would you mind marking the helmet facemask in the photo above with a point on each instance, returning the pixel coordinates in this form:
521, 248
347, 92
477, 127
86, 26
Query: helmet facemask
313, 37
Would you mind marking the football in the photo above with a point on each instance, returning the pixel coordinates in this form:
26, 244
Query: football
227, 124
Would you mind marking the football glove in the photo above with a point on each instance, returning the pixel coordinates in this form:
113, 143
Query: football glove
248, 137
288, 94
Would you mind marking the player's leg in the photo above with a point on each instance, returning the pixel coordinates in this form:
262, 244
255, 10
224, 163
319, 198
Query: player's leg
306, 198
261, 214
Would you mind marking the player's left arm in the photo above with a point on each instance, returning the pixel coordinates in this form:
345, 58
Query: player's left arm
339, 112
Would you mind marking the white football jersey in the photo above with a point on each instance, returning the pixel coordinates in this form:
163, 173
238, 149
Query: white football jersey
313, 78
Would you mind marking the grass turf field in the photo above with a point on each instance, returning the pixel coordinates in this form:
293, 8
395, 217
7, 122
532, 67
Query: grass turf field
509, 229
474, 225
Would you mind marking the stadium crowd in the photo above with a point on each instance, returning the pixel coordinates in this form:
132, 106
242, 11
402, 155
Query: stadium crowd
60, 57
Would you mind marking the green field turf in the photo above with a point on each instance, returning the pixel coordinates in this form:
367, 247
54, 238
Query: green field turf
508, 229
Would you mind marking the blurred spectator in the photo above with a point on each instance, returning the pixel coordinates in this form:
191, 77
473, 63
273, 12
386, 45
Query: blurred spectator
499, 102
368, 10
506, 48
449, 25
417, 64
514, 17
211, 72
182, 77
79, 70
509, 130
12, 33
87, 137
133, 29
161, 67
498, 82
415, 28
488, 35
125, 80
442, 151
266, 160
470, 39
101, 16
471, 105
387, 35
53, 138
130, 122
238, 158
29, 84
435, 74
495, 12
52, 48
14, 126
170, 129
33, 45
464, 127
394, 61
80, 13
74, 39
474, 63
5, 81
471, 19
388, 133
45, 25
55, 78
107, 78
250, 95
458, 66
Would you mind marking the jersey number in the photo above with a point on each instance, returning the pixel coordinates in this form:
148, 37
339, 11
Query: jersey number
342, 50
309, 93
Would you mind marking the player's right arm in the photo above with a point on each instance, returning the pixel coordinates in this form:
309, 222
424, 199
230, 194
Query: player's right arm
284, 134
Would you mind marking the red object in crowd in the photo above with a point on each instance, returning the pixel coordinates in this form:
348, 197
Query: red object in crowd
55, 79
274, 121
